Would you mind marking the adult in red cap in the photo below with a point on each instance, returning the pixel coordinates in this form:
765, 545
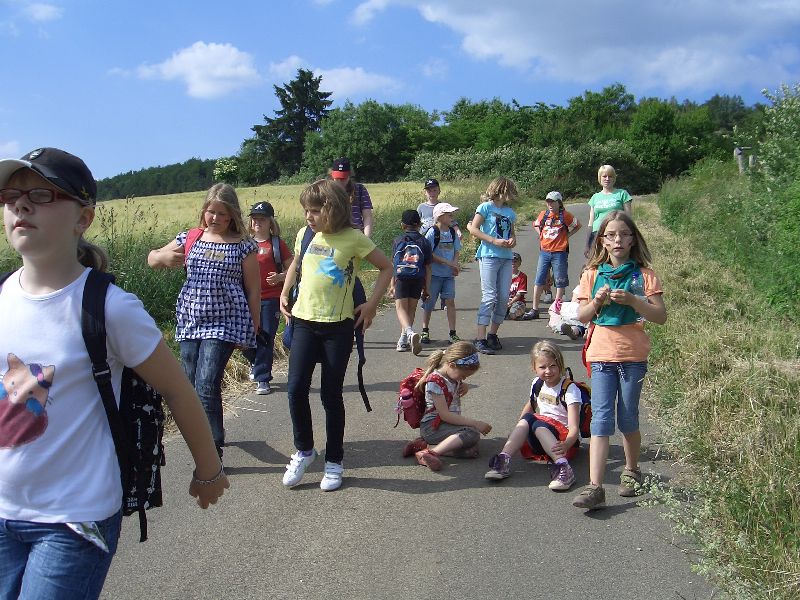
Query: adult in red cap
360, 202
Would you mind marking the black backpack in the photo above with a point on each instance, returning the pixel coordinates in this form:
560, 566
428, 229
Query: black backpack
137, 426
437, 236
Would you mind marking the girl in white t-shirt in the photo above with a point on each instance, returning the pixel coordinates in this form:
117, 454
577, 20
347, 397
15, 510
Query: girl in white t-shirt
548, 427
60, 491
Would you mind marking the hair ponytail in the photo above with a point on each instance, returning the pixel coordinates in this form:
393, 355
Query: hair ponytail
90, 255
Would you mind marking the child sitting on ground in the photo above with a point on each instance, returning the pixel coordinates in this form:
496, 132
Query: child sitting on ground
411, 277
519, 287
547, 425
564, 318
444, 430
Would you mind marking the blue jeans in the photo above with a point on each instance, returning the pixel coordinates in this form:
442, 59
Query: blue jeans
559, 262
204, 363
495, 283
49, 561
262, 355
616, 386
329, 344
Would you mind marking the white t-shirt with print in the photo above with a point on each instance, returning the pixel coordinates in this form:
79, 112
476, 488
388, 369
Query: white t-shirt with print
548, 404
57, 457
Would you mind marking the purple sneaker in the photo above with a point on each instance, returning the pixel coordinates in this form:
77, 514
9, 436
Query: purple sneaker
499, 467
562, 477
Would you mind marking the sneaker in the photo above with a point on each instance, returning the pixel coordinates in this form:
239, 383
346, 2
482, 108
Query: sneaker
425, 337
414, 446
547, 297
562, 477
592, 496
403, 345
297, 467
482, 347
262, 388
332, 480
251, 376
454, 338
415, 341
530, 315
499, 467
630, 483
494, 342
428, 459
570, 330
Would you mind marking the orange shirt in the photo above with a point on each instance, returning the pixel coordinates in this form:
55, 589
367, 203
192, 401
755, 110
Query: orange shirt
553, 234
623, 343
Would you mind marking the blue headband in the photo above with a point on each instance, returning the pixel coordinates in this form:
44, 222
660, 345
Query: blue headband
469, 360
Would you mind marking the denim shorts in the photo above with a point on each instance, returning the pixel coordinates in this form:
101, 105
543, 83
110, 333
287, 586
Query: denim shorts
558, 260
616, 387
440, 287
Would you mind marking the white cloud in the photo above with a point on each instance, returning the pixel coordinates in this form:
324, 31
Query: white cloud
10, 149
435, 67
41, 12
287, 68
704, 44
208, 70
346, 82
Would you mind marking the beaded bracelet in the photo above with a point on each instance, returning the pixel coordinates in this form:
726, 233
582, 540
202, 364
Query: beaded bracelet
220, 474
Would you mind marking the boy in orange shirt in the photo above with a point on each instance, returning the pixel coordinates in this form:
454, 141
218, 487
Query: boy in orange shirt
555, 226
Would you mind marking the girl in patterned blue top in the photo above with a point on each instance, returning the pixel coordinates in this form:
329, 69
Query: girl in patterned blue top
219, 306
493, 225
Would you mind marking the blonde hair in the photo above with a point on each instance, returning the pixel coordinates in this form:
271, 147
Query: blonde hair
606, 170
547, 349
332, 201
453, 353
639, 251
223, 192
500, 188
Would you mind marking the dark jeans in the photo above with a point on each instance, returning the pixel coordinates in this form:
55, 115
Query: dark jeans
329, 344
204, 363
262, 355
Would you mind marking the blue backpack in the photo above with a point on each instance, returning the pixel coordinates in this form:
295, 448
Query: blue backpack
409, 258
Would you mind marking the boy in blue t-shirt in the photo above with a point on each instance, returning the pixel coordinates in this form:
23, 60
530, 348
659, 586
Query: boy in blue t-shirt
411, 275
444, 268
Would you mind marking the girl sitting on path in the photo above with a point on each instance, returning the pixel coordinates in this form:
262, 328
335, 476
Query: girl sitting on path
219, 305
548, 427
266, 232
61, 497
493, 225
617, 289
324, 319
606, 200
444, 430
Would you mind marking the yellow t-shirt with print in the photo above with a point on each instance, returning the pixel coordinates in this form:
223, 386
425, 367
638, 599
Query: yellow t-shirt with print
329, 270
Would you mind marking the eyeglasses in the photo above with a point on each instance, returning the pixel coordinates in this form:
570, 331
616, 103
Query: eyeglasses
625, 235
36, 196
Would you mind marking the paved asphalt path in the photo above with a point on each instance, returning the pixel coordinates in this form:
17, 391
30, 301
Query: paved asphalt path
395, 529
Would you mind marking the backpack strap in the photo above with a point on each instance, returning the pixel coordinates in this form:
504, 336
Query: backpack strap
568, 381
437, 236
191, 237
359, 298
536, 388
93, 328
276, 253
4, 276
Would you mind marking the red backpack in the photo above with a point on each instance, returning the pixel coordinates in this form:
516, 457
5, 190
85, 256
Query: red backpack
411, 400
191, 237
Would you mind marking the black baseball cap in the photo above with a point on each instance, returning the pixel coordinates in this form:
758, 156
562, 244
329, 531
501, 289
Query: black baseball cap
262, 209
411, 217
340, 169
64, 170
431, 182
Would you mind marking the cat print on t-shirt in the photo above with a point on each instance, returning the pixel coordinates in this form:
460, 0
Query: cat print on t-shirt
23, 401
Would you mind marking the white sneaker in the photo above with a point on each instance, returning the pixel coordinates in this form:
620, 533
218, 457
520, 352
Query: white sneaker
416, 343
547, 297
297, 467
332, 479
251, 376
402, 344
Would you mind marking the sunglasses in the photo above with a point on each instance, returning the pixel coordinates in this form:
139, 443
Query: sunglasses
36, 196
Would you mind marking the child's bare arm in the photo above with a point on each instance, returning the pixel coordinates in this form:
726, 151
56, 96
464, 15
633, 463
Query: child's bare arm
167, 257
163, 372
440, 403
573, 420
526, 410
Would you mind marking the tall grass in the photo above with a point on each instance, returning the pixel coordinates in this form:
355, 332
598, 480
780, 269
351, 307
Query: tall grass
724, 380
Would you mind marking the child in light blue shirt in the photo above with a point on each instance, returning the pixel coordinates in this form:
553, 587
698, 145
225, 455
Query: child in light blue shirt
446, 245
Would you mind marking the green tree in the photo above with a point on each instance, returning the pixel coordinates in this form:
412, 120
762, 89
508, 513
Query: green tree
282, 139
651, 135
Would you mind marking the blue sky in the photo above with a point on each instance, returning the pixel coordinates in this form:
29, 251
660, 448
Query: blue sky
127, 85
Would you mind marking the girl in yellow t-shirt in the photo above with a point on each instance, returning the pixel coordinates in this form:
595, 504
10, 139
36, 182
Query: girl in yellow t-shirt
617, 291
324, 319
